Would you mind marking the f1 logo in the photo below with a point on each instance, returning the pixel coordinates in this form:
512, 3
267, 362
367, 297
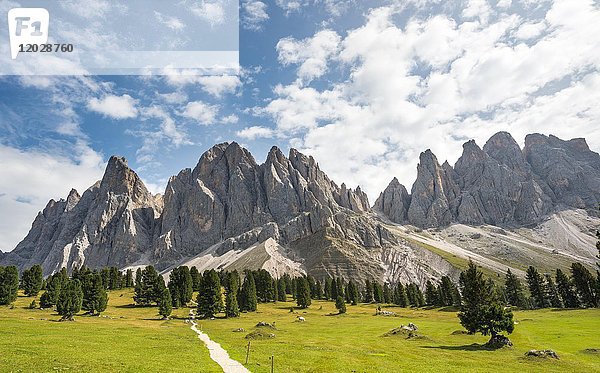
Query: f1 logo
27, 26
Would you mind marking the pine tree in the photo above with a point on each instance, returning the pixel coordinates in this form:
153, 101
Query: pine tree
481, 311
138, 277
334, 289
248, 299
115, 278
537, 288
302, 293
53, 287
514, 290
195, 278
553, 295
9, 284
95, 298
231, 305
353, 293
327, 289
447, 291
129, 278
69, 299
165, 304
411, 294
180, 286
400, 297
318, 290
377, 292
431, 296
585, 283
387, 294
340, 304
209, 296
340, 288
32, 280
565, 289
281, 296
149, 288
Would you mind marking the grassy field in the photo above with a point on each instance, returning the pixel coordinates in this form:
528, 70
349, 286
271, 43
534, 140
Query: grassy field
32, 340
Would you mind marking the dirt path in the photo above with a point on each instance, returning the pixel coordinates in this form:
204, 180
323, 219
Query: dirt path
217, 353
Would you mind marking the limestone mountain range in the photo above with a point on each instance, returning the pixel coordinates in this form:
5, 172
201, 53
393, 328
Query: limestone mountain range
499, 205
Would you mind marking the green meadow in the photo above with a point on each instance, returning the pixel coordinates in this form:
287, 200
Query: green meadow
134, 339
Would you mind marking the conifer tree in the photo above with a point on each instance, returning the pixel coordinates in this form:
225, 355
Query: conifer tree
129, 278
553, 294
340, 304
95, 298
231, 305
411, 294
302, 293
138, 277
481, 312
281, 296
537, 288
32, 280
377, 292
431, 296
387, 293
180, 286
209, 296
327, 289
340, 289
248, 299
318, 290
114, 278
400, 297
195, 278
514, 290
69, 299
165, 304
566, 291
149, 288
447, 291
585, 284
9, 284
353, 293
53, 287
334, 289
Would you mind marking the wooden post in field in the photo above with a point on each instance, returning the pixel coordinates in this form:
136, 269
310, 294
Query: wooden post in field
247, 352
272, 363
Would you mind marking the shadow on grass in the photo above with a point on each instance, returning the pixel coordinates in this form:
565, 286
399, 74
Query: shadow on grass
133, 305
471, 347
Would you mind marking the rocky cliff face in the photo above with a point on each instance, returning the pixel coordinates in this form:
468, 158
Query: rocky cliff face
500, 184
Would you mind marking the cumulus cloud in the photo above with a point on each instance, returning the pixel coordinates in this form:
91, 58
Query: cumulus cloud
311, 54
116, 107
173, 23
254, 132
437, 81
254, 14
217, 85
209, 11
201, 112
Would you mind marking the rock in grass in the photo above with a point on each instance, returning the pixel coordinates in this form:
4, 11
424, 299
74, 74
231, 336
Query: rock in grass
263, 324
498, 341
542, 353
259, 335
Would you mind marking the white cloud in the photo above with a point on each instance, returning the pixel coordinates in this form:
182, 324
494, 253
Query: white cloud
173, 23
177, 97
254, 132
90, 9
311, 54
436, 82
210, 11
504, 3
30, 178
230, 119
116, 107
254, 14
217, 85
201, 112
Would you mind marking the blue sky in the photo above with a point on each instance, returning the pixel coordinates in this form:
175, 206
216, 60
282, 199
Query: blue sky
363, 86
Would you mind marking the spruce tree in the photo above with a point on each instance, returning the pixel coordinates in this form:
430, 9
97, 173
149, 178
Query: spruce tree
129, 278
248, 299
165, 304
53, 287
553, 294
585, 283
387, 294
537, 288
318, 290
114, 278
138, 277
514, 290
353, 293
480, 311
334, 289
180, 286
209, 296
340, 304
281, 296
411, 294
302, 293
446, 292
431, 296
327, 289
32, 280
95, 298
565, 289
340, 288
69, 299
149, 288
9, 284
195, 278
231, 305
377, 292
400, 297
